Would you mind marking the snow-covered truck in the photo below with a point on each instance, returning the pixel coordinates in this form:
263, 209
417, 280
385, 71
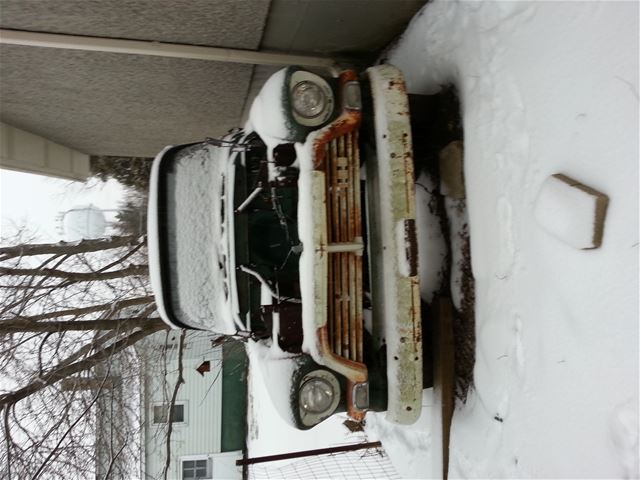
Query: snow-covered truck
298, 233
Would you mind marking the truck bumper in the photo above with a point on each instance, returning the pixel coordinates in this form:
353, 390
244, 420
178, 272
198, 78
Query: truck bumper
393, 244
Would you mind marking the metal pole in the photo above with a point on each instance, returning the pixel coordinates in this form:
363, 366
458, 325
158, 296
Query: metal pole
309, 453
159, 49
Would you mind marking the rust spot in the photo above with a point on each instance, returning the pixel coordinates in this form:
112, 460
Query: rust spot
349, 121
411, 246
348, 76
359, 370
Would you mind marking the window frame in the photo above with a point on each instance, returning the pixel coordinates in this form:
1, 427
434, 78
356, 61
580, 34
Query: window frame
195, 458
182, 404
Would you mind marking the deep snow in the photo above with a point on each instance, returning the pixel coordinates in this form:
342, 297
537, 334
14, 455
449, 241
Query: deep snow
546, 88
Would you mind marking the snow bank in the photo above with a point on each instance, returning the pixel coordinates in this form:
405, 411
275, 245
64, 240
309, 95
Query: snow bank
545, 87
432, 249
415, 450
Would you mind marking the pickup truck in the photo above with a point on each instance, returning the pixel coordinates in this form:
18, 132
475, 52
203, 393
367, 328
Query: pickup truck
298, 232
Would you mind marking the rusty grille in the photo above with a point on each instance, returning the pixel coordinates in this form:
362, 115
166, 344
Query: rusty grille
344, 231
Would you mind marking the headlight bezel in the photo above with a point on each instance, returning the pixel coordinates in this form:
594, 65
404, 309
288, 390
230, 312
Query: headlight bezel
300, 79
301, 92
310, 417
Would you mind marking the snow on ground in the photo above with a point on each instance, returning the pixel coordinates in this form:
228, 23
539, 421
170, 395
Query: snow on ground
415, 450
546, 88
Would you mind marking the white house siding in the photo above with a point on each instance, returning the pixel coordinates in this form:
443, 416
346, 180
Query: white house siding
200, 434
26, 152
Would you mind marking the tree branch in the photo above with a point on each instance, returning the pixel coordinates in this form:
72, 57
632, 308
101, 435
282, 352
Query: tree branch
84, 412
174, 396
58, 373
76, 276
68, 248
11, 326
77, 312
29, 295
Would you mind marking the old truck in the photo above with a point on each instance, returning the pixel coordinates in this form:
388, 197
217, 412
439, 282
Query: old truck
298, 232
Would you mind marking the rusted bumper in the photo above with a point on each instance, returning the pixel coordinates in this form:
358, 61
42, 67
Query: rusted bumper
393, 245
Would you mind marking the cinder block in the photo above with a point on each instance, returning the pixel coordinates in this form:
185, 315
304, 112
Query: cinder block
571, 211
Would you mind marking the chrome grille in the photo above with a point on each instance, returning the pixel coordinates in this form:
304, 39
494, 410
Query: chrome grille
344, 232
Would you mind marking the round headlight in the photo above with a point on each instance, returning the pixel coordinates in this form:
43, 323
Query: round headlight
316, 395
308, 99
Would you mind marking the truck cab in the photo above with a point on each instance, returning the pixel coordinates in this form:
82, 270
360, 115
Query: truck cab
297, 232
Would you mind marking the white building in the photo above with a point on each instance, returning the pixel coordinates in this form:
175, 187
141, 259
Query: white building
208, 427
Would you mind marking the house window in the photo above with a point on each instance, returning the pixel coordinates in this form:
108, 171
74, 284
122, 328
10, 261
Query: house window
196, 469
160, 413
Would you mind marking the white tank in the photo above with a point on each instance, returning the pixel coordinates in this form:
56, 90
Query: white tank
84, 222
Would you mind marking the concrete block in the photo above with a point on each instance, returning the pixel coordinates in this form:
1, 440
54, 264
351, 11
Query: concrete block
451, 164
572, 212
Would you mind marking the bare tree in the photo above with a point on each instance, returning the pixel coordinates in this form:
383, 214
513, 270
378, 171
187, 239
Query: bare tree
172, 403
69, 313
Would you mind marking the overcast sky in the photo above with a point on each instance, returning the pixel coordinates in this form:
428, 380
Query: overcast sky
36, 200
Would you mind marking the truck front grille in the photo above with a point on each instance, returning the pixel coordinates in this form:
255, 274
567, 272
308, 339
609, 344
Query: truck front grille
344, 232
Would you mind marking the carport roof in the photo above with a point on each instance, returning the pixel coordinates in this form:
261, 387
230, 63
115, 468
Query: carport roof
113, 104
132, 105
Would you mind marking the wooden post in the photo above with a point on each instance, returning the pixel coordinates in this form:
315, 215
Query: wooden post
444, 372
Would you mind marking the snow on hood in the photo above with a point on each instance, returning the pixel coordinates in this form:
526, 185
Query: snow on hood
201, 293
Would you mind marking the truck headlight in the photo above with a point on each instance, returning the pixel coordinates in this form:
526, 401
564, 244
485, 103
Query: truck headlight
311, 98
318, 396
308, 99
